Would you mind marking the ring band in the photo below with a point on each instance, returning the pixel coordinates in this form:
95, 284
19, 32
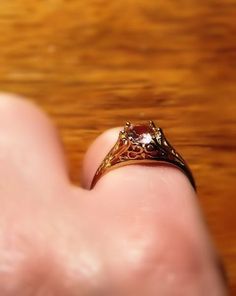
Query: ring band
142, 144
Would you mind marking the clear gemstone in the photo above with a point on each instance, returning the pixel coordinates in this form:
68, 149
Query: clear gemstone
140, 133
145, 139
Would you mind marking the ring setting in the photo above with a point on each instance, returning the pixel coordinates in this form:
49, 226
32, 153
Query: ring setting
141, 143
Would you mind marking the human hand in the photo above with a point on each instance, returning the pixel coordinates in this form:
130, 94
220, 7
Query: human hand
138, 232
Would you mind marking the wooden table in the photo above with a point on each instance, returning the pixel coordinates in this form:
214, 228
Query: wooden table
94, 64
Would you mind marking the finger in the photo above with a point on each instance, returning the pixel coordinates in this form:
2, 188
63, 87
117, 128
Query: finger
160, 197
30, 149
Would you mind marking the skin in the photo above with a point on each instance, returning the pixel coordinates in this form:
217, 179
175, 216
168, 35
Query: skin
138, 232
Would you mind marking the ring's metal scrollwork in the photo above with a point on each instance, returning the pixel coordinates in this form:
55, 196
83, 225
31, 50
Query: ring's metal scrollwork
141, 144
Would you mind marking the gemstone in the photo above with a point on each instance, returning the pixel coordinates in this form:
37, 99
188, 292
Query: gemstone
140, 133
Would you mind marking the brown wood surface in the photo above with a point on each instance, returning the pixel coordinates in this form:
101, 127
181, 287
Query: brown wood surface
94, 64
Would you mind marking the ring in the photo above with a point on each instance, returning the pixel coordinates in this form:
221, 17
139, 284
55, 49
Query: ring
141, 144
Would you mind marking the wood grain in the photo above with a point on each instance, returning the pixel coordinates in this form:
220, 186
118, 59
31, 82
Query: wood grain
94, 64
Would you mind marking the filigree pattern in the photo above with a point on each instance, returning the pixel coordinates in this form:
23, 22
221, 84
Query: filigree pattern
150, 145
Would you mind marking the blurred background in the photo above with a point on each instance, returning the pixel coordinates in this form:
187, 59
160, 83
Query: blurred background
94, 64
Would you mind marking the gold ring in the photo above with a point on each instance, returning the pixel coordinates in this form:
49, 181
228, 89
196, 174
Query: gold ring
141, 144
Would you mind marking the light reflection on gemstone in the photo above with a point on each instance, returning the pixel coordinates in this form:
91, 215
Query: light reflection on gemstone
144, 139
140, 133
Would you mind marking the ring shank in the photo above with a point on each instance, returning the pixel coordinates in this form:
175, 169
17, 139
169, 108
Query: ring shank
184, 169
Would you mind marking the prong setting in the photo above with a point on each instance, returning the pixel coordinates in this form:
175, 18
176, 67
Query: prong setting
127, 126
